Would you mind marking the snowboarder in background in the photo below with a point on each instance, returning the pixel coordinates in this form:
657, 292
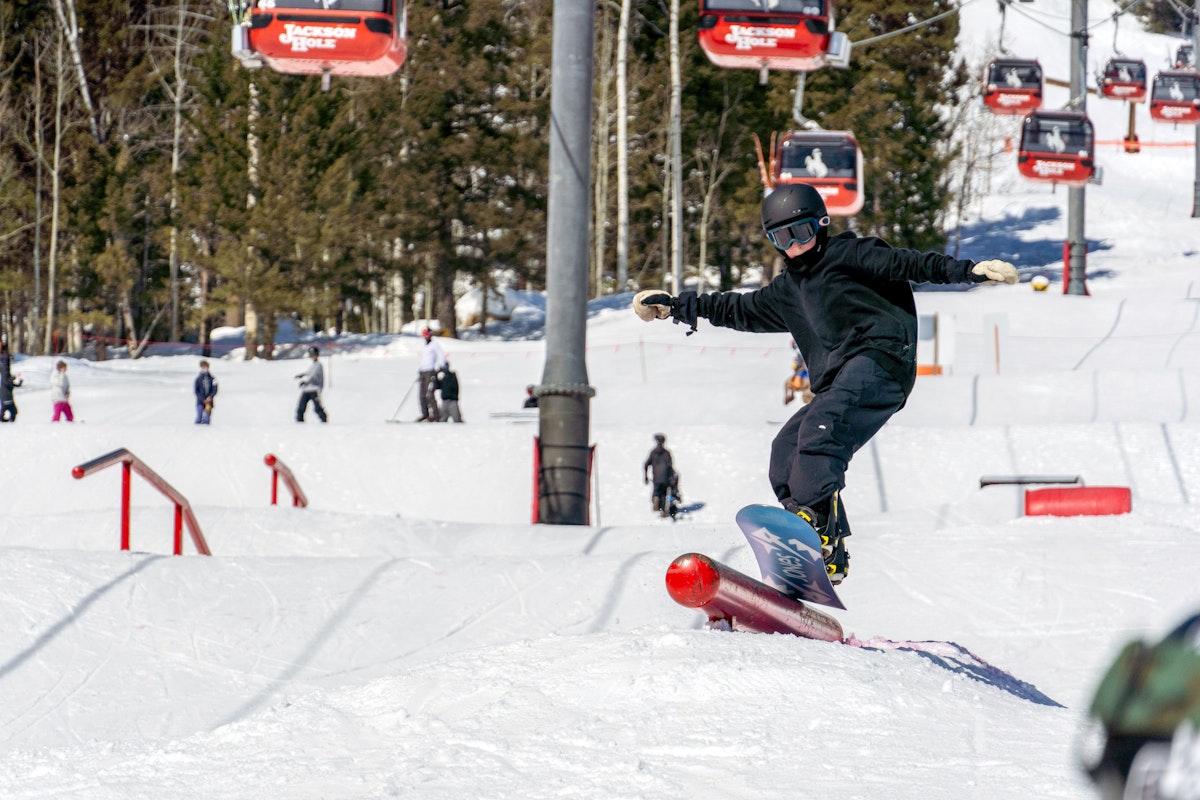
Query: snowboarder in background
60, 393
798, 381
657, 470
433, 360
847, 302
447, 384
8, 382
312, 381
205, 388
530, 398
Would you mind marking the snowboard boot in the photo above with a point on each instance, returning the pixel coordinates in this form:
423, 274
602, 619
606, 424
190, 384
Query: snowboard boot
824, 519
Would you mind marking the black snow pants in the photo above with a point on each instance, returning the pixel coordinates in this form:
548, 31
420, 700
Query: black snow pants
810, 454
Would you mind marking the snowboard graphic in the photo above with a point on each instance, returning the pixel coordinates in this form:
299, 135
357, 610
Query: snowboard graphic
788, 552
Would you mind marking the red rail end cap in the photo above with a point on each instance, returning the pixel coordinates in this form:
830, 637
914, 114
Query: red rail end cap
77, 472
269, 460
692, 580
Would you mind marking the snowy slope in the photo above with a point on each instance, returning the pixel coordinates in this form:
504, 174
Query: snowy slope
411, 635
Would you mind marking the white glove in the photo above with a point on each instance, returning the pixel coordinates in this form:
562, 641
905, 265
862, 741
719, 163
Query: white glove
997, 271
652, 304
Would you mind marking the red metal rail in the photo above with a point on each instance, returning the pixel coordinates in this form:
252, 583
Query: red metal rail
726, 595
131, 463
278, 468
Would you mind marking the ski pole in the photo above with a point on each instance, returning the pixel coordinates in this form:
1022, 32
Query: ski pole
405, 398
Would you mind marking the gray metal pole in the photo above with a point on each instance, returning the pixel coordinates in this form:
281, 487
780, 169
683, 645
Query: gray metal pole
1076, 241
676, 137
1196, 67
564, 396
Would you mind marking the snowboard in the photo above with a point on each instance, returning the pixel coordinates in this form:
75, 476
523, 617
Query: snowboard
788, 552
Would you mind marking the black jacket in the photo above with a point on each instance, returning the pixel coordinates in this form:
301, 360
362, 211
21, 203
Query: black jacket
448, 385
658, 463
855, 299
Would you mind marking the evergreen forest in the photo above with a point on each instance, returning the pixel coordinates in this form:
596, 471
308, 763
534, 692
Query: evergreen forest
152, 188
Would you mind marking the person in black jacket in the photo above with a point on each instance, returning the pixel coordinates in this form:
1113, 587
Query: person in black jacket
657, 470
847, 302
447, 384
8, 382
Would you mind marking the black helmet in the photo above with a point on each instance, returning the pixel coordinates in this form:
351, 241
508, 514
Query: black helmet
789, 203
660, 438
313, 351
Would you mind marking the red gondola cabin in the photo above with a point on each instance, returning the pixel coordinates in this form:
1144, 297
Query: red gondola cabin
1012, 86
790, 35
324, 37
1175, 97
829, 161
1124, 79
1057, 147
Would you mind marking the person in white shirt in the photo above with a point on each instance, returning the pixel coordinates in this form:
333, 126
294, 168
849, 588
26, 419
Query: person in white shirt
312, 381
433, 361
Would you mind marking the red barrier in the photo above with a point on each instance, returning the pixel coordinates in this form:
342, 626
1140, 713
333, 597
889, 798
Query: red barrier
1078, 501
724, 594
183, 510
278, 468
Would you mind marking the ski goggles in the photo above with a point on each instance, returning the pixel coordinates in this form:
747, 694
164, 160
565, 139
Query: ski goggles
802, 231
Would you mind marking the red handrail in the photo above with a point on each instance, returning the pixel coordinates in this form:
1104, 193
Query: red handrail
278, 468
183, 509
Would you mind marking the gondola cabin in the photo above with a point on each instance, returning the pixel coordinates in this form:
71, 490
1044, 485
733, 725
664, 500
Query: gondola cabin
789, 35
324, 37
1057, 147
1012, 86
1124, 79
829, 161
1175, 97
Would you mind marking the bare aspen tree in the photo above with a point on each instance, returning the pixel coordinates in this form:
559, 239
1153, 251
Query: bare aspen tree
178, 36
623, 147
714, 166
69, 26
676, 155
60, 92
602, 120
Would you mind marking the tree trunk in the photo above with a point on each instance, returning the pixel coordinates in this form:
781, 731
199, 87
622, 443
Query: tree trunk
623, 149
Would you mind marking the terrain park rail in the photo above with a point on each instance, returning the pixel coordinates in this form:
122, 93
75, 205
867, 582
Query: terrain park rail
727, 596
129, 464
278, 470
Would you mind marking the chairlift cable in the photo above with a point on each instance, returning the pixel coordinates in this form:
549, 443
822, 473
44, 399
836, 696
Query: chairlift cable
913, 27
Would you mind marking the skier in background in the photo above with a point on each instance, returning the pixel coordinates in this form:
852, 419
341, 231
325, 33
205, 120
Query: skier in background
432, 361
205, 388
658, 469
312, 381
8, 382
847, 302
60, 393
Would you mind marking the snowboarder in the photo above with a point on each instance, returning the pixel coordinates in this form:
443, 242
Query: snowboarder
312, 381
60, 393
658, 469
847, 302
530, 398
205, 388
433, 360
447, 384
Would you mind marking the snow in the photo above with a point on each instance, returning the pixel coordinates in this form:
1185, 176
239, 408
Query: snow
410, 634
